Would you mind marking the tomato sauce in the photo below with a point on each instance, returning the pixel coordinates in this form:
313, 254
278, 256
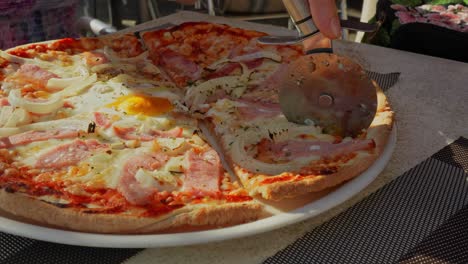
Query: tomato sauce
278, 179
237, 198
109, 201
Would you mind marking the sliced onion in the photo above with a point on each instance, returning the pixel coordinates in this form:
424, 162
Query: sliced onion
150, 68
258, 55
165, 94
197, 95
82, 70
254, 136
76, 88
234, 85
151, 179
120, 67
15, 59
61, 83
21, 60
70, 124
127, 123
247, 57
18, 117
9, 131
5, 114
112, 56
39, 107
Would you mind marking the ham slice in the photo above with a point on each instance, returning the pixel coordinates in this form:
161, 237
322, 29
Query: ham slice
180, 69
128, 133
34, 74
94, 58
204, 172
129, 187
226, 70
173, 133
232, 67
102, 120
4, 101
33, 136
301, 148
266, 90
252, 110
68, 154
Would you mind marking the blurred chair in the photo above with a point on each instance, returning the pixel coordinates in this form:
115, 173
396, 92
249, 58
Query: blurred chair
28, 21
116, 10
367, 13
253, 10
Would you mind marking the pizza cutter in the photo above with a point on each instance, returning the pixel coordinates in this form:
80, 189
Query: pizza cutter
330, 91
323, 88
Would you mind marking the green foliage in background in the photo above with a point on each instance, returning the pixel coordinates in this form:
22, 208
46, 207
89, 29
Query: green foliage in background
383, 36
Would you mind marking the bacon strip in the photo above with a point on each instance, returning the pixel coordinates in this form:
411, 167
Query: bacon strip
129, 187
4, 101
33, 136
180, 69
226, 70
128, 133
102, 120
229, 68
34, 74
253, 110
68, 154
94, 58
204, 172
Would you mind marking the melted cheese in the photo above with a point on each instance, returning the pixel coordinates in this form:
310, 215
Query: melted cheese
128, 101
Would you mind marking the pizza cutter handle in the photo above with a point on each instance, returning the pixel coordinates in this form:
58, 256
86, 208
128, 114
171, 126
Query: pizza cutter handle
299, 11
300, 15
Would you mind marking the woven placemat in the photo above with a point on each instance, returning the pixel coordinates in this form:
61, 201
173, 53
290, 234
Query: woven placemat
421, 217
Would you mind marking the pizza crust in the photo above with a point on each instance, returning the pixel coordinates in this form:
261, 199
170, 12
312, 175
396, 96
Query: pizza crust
379, 131
187, 218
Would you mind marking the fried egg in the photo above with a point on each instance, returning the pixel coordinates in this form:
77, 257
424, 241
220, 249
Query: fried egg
137, 104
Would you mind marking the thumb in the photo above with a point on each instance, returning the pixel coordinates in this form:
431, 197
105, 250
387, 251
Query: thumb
325, 16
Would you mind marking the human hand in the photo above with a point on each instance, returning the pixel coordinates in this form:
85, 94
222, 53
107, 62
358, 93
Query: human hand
325, 16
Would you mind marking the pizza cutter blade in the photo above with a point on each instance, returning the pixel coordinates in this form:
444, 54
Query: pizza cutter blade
330, 91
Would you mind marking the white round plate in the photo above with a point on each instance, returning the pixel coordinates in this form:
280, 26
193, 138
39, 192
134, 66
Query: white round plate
312, 209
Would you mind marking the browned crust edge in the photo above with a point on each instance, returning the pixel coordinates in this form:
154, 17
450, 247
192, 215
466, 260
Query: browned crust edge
187, 218
379, 130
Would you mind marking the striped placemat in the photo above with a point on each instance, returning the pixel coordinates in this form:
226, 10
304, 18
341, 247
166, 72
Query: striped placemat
421, 217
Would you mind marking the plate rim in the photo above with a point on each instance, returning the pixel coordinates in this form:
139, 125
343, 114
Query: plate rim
313, 209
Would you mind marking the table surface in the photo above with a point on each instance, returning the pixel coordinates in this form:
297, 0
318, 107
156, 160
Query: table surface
430, 102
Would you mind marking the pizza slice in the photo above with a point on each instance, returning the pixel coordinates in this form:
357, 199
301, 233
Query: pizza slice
113, 155
276, 159
233, 91
59, 79
120, 169
198, 51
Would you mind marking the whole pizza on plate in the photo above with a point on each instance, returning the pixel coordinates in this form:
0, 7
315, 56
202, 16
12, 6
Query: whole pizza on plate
111, 134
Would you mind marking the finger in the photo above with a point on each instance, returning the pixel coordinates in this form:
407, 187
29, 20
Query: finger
316, 41
325, 16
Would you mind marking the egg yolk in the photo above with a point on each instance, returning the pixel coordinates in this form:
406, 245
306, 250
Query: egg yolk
141, 104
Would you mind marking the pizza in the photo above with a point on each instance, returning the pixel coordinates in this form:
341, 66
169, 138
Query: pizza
179, 130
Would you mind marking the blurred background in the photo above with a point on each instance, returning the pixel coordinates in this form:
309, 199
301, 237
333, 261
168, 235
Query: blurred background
26, 21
